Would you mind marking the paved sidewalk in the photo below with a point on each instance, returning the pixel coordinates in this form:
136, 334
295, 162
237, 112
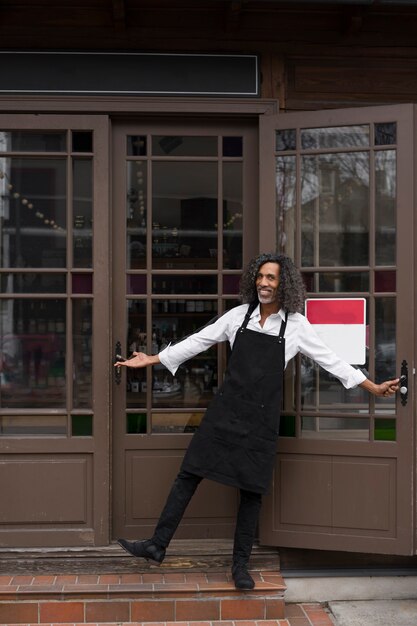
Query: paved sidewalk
375, 612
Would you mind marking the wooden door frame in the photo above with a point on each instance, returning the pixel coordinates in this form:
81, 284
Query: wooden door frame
406, 236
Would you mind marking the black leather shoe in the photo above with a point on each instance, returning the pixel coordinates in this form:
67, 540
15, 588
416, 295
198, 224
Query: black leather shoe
242, 578
145, 549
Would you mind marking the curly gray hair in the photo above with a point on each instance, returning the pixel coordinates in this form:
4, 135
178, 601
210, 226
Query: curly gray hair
291, 290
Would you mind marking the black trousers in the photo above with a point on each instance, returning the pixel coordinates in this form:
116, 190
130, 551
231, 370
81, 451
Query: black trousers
180, 495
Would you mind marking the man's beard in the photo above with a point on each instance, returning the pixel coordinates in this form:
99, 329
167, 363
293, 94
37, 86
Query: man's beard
266, 299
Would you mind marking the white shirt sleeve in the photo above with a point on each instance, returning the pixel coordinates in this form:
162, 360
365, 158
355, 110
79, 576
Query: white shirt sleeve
310, 344
220, 330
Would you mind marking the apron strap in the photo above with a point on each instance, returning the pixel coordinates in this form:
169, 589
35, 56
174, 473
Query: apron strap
249, 312
283, 326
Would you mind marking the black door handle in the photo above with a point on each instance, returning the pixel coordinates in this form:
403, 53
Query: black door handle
404, 383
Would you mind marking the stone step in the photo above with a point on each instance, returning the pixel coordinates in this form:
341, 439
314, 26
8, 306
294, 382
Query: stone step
141, 597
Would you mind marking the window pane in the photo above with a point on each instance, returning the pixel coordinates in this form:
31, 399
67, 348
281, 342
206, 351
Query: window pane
385, 430
184, 218
82, 425
385, 134
82, 283
33, 283
335, 209
33, 141
136, 283
33, 425
136, 198
176, 422
385, 207
232, 146
335, 282
173, 145
195, 381
232, 215
83, 212
335, 428
82, 141
136, 145
185, 284
231, 284
136, 423
336, 137
136, 382
285, 140
285, 181
33, 212
82, 347
385, 346
385, 280
287, 426
32, 342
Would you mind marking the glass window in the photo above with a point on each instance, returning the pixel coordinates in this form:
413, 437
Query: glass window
385, 207
33, 212
33, 425
136, 214
82, 207
82, 324
136, 145
176, 422
82, 141
82, 425
232, 215
136, 423
385, 133
336, 282
185, 215
184, 284
335, 428
32, 282
137, 341
33, 141
285, 185
285, 140
193, 146
335, 209
335, 137
385, 346
32, 345
232, 146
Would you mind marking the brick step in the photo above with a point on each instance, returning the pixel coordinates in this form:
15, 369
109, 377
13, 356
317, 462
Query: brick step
141, 597
283, 622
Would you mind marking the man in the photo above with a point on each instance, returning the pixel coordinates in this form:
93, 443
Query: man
236, 441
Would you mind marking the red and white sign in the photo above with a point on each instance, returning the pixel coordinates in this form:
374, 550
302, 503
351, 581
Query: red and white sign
341, 324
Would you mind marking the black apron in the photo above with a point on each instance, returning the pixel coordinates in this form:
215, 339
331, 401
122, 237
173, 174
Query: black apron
236, 441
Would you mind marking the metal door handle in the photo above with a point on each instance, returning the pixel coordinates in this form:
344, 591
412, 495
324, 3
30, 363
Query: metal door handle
117, 370
404, 383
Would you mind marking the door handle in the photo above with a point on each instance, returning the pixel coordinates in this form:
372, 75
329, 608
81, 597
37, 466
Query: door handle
118, 370
404, 383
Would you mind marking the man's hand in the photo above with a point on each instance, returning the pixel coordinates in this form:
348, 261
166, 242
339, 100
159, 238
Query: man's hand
384, 390
139, 359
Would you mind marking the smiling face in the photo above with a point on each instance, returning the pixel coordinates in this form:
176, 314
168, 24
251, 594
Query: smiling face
267, 283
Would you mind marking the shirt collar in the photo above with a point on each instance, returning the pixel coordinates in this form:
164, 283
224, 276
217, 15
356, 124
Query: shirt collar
257, 313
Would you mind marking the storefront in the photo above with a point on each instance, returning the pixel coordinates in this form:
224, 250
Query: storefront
125, 223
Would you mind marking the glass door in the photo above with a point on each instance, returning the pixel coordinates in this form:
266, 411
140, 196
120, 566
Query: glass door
53, 422
337, 195
183, 228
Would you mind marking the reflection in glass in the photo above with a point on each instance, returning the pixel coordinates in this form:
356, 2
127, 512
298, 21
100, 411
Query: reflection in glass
33, 212
82, 283
385, 207
335, 209
231, 284
82, 347
285, 181
185, 284
385, 345
335, 137
335, 428
335, 282
176, 422
232, 215
136, 383
136, 145
82, 206
81, 425
173, 145
33, 141
32, 348
322, 390
136, 198
33, 425
82, 141
184, 217
195, 381
31, 282
285, 140
385, 133
232, 146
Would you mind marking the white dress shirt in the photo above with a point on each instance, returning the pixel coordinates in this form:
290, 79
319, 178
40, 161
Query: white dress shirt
300, 336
